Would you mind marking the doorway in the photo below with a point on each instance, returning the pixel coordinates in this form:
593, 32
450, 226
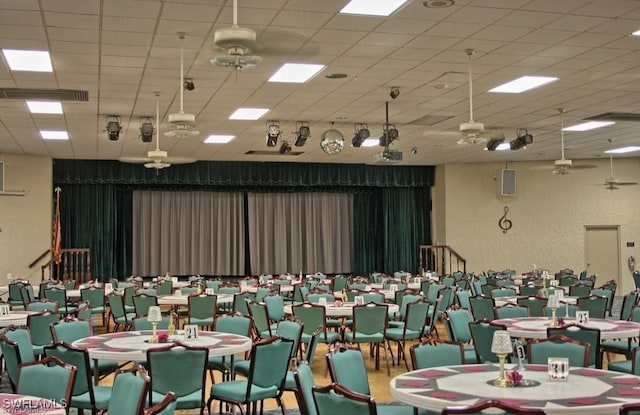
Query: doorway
602, 253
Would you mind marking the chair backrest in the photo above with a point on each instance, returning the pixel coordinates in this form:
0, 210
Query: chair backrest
511, 311
417, 316
437, 353
590, 335
304, 389
84, 311
334, 399
540, 350
42, 305
503, 292
482, 307
462, 297
166, 406
143, 323
94, 295
370, 319
116, 305
39, 326
233, 323
179, 368
628, 301
260, 318
202, 306
70, 330
478, 407
313, 316
142, 302
22, 337
457, 323
596, 305
240, 304
27, 294
482, 335
129, 392
529, 290
314, 297
48, 378
129, 292
269, 364
56, 294
407, 297
432, 291
11, 354
15, 296
275, 307
534, 304
292, 330
579, 290
347, 367
78, 358
164, 288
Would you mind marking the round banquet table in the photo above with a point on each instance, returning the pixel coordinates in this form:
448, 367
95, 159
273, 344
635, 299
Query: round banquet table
587, 391
13, 404
184, 299
500, 301
133, 345
536, 327
15, 318
344, 310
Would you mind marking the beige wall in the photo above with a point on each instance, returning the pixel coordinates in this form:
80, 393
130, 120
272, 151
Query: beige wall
25, 221
549, 215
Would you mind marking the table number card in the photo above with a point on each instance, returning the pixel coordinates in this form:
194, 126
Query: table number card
108, 287
559, 294
558, 368
210, 291
393, 287
5, 310
582, 317
322, 301
359, 300
190, 332
174, 279
417, 280
553, 283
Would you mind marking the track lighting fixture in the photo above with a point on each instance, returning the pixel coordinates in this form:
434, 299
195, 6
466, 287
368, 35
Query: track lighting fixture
494, 142
113, 127
389, 135
188, 84
146, 129
273, 133
285, 148
302, 133
395, 92
362, 133
522, 140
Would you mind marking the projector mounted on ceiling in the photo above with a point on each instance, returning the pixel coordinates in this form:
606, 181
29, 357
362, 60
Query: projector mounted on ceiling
388, 156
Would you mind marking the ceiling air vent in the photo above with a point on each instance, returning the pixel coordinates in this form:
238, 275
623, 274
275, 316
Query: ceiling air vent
44, 94
615, 116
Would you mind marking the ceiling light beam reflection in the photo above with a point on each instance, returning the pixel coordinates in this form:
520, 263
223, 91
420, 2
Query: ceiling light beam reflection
522, 84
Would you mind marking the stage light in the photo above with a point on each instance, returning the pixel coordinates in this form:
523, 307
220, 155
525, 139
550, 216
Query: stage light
113, 127
362, 133
146, 129
395, 92
494, 142
284, 148
302, 133
273, 133
389, 135
522, 140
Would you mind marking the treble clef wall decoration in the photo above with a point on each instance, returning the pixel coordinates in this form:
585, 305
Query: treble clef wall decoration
504, 223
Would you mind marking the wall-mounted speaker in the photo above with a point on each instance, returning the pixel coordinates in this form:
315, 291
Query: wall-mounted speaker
506, 182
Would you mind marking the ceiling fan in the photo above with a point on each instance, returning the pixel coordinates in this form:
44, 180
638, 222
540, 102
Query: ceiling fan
240, 44
566, 166
612, 183
157, 159
181, 122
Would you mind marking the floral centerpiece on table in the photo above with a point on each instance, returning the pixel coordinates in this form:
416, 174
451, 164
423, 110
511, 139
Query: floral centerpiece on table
513, 378
163, 337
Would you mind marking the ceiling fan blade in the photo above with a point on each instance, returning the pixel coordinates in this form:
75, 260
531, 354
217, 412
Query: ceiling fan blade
179, 160
135, 160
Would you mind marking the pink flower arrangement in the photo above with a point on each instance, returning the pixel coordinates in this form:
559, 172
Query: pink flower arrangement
163, 337
514, 377
560, 321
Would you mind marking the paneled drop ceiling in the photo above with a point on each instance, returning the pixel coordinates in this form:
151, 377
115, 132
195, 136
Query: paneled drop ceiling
122, 51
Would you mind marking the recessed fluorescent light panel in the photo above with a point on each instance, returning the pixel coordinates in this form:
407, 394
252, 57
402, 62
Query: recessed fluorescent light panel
591, 125
372, 7
248, 113
371, 142
28, 60
636, 33
623, 150
219, 138
44, 107
54, 135
523, 83
296, 73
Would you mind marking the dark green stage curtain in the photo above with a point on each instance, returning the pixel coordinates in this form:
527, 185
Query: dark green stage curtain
89, 220
391, 204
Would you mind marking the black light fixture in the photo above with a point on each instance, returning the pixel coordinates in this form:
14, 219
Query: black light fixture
302, 133
146, 129
389, 135
285, 148
395, 92
188, 84
273, 133
522, 140
494, 142
113, 127
362, 133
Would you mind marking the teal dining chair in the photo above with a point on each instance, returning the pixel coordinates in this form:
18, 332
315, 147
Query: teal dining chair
482, 335
436, 353
370, 326
232, 323
510, 311
15, 352
38, 325
413, 327
166, 406
590, 335
129, 391
201, 309
96, 297
456, 323
630, 365
48, 378
540, 350
482, 307
336, 399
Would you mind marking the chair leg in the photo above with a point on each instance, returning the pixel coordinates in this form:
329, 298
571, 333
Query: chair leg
281, 404
386, 356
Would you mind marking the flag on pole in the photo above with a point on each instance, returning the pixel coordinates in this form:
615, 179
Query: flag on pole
56, 246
